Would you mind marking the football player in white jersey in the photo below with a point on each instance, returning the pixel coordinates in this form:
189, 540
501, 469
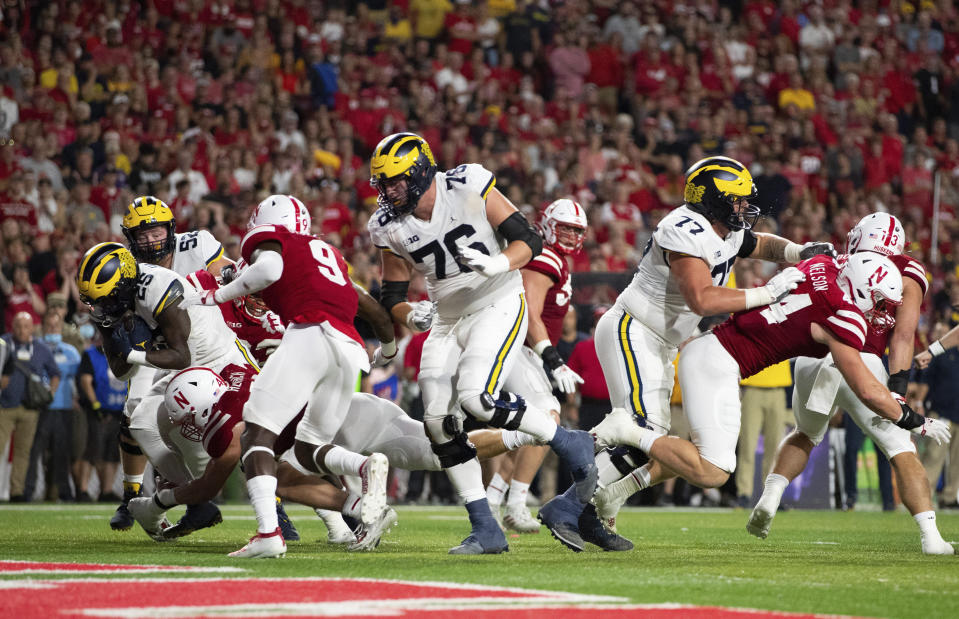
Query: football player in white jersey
150, 229
468, 240
680, 279
820, 389
134, 305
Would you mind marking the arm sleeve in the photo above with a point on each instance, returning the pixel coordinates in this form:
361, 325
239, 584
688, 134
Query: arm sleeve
265, 270
749, 244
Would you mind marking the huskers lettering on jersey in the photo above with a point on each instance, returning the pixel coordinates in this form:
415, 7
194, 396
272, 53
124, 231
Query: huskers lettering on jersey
763, 336
194, 251
314, 287
653, 297
877, 342
553, 265
228, 412
159, 289
458, 220
249, 330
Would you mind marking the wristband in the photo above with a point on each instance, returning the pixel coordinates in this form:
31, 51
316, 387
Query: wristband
137, 357
388, 349
936, 348
899, 382
757, 297
540, 346
910, 419
96, 406
791, 252
551, 358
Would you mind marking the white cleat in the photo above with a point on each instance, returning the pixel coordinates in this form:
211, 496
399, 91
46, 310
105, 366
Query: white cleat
376, 470
937, 547
150, 516
610, 500
262, 546
337, 530
618, 428
760, 521
520, 520
368, 536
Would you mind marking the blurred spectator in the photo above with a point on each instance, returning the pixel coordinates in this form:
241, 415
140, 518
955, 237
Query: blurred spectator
763, 409
939, 391
53, 438
25, 356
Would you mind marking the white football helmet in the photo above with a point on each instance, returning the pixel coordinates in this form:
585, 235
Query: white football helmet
190, 397
285, 211
878, 232
875, 286
564, 212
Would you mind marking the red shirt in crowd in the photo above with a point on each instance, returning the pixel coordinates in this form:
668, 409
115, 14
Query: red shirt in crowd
585, 362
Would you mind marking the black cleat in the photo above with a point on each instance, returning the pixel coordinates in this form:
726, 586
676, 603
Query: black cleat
592, 530
122, 519
289, 531
560, 515
199, 516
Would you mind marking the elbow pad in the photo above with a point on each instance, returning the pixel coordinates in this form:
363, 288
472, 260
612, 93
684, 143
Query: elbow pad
517, 228
393, 293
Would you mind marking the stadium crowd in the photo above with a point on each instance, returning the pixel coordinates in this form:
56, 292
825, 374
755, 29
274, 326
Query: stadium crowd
839, 108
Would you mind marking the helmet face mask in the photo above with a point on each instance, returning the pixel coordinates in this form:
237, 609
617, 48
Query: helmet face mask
401, 157
874, 285
145, 214
721, 189
190, 398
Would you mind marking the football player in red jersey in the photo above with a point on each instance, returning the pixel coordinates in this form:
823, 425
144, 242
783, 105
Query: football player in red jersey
304, 280
828, 313
819, 390
546, 281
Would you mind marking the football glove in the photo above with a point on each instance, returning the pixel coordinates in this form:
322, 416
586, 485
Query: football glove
566, 379
814, 248
487, 266
784, 282
421, 318
923, 426
272, 323
269, 346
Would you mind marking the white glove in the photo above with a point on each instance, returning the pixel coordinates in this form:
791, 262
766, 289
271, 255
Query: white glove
936, 429
784, 282
202, 297
380, 359
150, 516
268, 345
271, 323
421, 318
566, 379
487, 266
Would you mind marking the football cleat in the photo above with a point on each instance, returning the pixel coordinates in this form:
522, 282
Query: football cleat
577, 449
481, 542
497, 515
374, 474
338, 532
520, 520
937, 547
561, 516
289, 531
609, 500
617, 428
122, 519
262, 546
592, 530
151, 517
368, 536
760, 520
199, 516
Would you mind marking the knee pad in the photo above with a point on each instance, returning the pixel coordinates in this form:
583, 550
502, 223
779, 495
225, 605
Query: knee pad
129, 447
456, 451
505, 412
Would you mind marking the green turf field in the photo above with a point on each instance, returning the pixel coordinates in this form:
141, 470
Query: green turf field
856, 563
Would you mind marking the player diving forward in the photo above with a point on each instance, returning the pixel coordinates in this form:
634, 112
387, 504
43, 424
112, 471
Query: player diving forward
468, 240
820, 388
829, 313
304, 280
681, 278
150, 230
133, 305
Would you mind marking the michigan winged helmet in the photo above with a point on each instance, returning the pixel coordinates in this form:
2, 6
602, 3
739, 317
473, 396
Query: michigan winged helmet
107, 280
142, 214
402, 156
720, 188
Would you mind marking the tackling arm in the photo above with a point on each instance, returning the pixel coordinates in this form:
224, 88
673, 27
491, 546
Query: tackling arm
536, 285
903, 337
707, 299
396, 281
266, 268
218, 470
777, 249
